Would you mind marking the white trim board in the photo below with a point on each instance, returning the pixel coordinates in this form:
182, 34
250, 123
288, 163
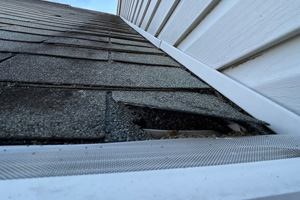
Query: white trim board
282, 121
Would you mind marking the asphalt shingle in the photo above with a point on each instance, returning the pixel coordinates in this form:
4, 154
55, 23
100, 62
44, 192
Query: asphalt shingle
22, 37
101, 45
51, 113
144, 59
5, 16
69, 71
52, 50
22, 29
131, 43
202, 104
4, 56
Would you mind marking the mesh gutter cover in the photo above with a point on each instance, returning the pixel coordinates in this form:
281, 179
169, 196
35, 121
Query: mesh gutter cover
45, 161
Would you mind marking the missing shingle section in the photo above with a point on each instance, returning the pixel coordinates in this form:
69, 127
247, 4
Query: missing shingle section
120, 124
195, 103
51, 113
152, 118
167, 124
132, 123
144, 59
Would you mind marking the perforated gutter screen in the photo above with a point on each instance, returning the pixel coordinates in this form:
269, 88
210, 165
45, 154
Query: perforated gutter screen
60, 160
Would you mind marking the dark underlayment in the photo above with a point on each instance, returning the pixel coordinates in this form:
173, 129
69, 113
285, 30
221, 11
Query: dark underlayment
69, 75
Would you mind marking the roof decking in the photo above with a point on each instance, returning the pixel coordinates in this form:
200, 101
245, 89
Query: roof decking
64, 72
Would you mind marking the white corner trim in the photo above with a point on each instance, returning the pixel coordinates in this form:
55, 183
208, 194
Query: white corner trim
282, 121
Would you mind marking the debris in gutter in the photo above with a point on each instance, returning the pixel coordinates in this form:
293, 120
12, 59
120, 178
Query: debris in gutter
163, 134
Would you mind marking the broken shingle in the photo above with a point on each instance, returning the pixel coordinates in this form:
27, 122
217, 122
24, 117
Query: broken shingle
51, 113
24, 68
202, 104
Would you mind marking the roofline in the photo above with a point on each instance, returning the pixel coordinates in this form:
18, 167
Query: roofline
119, 7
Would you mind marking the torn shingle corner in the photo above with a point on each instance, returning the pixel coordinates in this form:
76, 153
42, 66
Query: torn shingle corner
70, 75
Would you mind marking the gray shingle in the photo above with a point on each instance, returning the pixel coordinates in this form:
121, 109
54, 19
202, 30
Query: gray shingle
30, 30
56, 28
38, 24
130, 42
126, 48
144, 59
51, 113
70, 71
22, 37
47, 49
104, 44
31, 15
4, 56
127, 36
196, 103
16, 18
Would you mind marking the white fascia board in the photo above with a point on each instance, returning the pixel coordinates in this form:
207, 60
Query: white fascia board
281, 120
238, 181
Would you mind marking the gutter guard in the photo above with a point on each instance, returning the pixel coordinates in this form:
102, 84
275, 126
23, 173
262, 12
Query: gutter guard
18, 162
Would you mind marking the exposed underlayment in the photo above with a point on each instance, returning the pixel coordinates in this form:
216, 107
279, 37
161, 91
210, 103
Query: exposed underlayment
69, 75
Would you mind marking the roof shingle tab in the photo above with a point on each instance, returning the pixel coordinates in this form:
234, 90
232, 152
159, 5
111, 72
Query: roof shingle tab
29, 68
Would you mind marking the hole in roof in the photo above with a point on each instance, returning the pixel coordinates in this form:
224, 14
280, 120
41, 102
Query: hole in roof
164, 124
